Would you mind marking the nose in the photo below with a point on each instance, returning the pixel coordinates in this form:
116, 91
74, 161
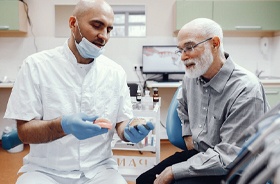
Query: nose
104, 36
184, 56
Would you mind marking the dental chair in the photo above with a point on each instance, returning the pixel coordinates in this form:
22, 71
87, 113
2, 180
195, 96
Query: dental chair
10, 140
173, 124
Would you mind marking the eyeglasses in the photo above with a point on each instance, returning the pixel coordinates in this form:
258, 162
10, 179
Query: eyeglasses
190, 48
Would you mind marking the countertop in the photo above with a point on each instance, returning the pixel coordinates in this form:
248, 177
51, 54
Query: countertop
6, 85
270, 81
163, 84
176, 84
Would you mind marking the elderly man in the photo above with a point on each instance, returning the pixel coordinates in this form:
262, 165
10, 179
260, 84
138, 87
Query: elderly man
218, 100
69, 100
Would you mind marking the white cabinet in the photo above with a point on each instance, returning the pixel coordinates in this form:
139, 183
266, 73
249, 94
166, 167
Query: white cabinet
272, 94
5, 91
166, 91
13, 16
272, 91
131, 165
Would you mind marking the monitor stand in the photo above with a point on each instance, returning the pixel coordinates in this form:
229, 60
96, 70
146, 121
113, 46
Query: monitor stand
165, 78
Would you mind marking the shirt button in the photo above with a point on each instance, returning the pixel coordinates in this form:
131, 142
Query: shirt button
204, 108
206, 90
199, 126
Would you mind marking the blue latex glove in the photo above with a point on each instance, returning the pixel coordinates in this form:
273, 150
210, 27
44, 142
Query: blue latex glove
76, 125
136, 134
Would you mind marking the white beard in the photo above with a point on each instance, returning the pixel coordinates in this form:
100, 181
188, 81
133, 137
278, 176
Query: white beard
201, 66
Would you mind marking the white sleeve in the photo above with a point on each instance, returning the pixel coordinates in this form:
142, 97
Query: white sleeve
125, 111
25, 100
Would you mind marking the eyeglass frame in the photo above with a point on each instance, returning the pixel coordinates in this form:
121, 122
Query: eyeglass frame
191, 48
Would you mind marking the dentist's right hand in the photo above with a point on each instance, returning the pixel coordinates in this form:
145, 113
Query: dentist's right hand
76, 125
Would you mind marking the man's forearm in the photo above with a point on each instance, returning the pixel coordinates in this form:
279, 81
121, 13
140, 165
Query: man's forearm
39, 131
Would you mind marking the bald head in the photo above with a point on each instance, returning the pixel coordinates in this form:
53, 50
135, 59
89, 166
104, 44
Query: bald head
84, 6
93, 21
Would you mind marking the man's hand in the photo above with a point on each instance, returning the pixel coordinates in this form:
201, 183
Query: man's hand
165, 177
81, 126
138, 132
189, 142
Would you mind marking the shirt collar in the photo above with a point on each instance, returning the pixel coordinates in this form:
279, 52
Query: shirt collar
71, 57
218, 82
68, 53
201, 80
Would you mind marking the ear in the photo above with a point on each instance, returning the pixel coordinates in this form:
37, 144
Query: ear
216, 42
72, 22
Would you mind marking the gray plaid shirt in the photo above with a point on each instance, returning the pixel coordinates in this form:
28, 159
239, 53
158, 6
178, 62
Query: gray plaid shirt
215, 113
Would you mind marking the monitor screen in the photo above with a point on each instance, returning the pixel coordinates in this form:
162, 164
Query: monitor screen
161, 60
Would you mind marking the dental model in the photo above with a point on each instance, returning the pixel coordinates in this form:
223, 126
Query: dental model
104, 123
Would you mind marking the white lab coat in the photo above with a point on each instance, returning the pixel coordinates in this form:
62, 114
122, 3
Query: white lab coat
51, 84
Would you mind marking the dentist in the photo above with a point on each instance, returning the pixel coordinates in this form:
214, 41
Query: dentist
68, 101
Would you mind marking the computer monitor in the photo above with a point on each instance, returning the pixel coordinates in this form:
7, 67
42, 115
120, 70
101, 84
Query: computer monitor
163, 60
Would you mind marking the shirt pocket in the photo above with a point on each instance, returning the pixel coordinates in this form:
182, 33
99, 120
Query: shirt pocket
57, 101
214, 125
104, 101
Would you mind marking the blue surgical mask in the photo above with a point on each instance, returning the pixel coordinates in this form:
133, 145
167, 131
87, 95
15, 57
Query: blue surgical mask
86, 48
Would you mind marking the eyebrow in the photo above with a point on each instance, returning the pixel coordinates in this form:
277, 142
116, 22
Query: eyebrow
189, 43
186, 44
100, 22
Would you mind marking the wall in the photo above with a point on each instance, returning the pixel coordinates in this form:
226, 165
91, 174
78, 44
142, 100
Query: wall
127, 51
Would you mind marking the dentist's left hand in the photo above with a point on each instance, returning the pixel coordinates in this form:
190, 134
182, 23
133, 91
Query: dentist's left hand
76, 125
136, 133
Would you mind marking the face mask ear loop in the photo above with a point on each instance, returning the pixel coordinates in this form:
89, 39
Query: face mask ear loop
78, 27
73, 36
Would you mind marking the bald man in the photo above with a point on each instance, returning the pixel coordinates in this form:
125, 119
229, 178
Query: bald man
68, 101
218, 101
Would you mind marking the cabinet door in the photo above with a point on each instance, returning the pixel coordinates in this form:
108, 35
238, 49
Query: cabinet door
273, 95
12, 16
247, 15
189, 10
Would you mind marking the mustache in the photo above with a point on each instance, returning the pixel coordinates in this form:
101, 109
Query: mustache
189, 61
